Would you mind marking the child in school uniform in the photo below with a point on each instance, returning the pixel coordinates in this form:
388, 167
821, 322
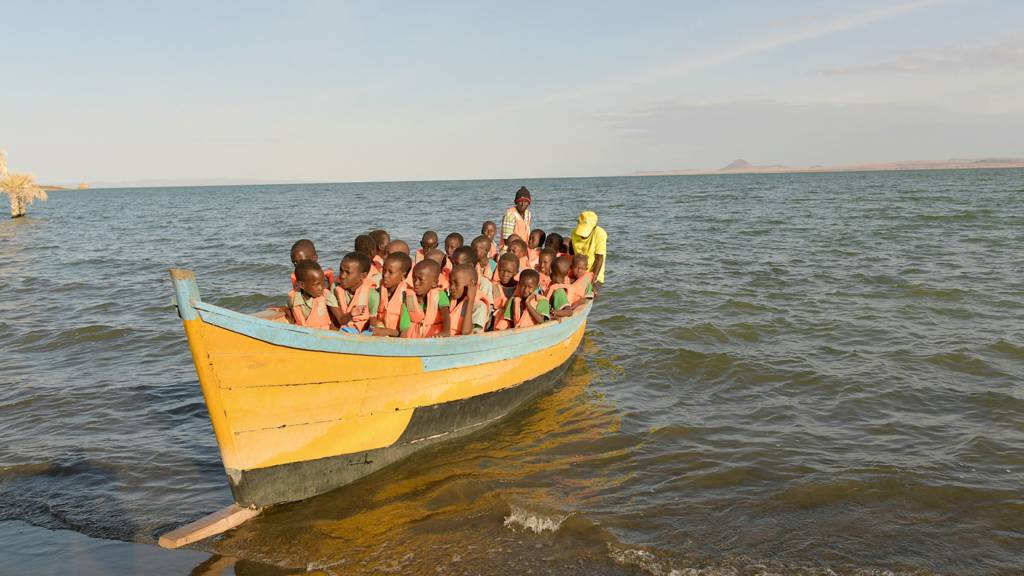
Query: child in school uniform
469, 308
547, 256
527, 307
485, 265
504, 288
485, 288
392, 313
357, 296
582, 279
490, 231
534, 247
367, 245
427, 243
439, 256
558, 292
305, 250
310, 303
428, 304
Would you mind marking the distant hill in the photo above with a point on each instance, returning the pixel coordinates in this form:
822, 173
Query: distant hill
741, 166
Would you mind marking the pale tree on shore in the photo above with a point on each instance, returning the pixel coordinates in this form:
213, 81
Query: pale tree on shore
21, 189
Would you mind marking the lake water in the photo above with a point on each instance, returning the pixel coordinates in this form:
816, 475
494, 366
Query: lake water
785, 373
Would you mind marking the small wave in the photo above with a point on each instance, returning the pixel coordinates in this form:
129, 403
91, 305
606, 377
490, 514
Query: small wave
521, 518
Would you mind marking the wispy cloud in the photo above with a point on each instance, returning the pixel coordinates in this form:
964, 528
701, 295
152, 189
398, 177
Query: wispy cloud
1007, 54
726, 54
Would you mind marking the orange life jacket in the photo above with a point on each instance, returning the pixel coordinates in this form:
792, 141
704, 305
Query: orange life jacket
521, 228
455, 315
492, 250
500, 301
533, 256
426, 323
360, 298
389, 311
578, 289
444, 279
544, 281
377, 265
520, 317
550, 292
418, 256
318, 317
328, 276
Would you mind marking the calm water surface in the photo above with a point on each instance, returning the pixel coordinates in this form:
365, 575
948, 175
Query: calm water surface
785, 373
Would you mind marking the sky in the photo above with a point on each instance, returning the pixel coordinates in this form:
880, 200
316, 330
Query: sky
358, 91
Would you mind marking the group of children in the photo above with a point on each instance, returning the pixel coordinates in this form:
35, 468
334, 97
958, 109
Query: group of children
383, 289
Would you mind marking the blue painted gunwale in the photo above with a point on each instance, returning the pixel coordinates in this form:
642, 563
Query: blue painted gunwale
436, 353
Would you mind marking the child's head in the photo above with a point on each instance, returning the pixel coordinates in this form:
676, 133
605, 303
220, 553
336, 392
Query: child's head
482, 246
554, 241
437, 256
513, 237
517, 247
508, 267
464, 255
398, 246
424, 276
462, 277
579, 266
428, 241
382, 238
303, 250
366, 244
547, 256
537, 237
452, 242
489, 229
396, 268
353, 270
528, 280
310, 278
559, 270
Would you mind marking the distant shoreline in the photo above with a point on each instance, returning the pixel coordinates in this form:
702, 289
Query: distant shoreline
916, 165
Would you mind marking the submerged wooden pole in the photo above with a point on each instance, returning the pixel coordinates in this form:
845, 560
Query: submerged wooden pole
220, 521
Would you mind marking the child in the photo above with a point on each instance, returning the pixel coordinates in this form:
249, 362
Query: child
381, 239
392, 316
452, 242
397, 246
428, 242
355, 292
311, 304
446, 267
507, 275
469, 308
485, 265
490, 230
547, 256
367, 245
428, 305
518, 247
467, 255
558, 291
304, 250
537, 237
582, 279
556, 243
527, 307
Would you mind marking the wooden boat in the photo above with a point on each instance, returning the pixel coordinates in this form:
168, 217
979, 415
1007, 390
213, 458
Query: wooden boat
298, 411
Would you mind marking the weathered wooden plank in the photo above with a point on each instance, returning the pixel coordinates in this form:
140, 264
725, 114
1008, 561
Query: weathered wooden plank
220, 521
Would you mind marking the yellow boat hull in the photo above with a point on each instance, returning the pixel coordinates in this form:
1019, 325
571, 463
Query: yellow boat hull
298, 412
